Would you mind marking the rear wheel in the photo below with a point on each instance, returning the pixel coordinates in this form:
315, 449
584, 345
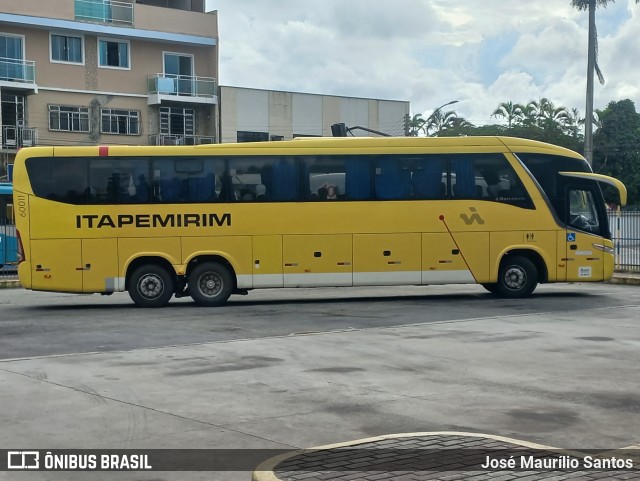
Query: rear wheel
210, 284
151, 286
518, 277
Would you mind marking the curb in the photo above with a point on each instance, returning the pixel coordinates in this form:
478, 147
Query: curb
626, 279
10, 284
266, 470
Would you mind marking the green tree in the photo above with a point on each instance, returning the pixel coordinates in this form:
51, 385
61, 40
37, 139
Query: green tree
509, 111
592, 66
440, 121
414, 125
528, 114
617, 146
572, 123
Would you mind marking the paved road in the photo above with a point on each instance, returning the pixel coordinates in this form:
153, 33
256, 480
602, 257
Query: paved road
41, 324
294, 369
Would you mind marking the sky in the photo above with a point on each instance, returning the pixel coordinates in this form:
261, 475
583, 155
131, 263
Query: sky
430, 52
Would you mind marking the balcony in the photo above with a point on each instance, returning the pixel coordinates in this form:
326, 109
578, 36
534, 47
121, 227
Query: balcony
181, 88
169, 139
110, 12
14, 137
18, 74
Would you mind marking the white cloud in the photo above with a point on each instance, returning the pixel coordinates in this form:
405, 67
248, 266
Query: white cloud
429, 51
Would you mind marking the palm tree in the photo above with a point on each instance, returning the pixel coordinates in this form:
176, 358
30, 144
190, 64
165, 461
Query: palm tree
509, 111
439, 121
550, 116
592, 65
572, 123
414, 125
528, 114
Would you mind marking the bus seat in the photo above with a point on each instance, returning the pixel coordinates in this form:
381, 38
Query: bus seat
170, 190
143, 191
201, 189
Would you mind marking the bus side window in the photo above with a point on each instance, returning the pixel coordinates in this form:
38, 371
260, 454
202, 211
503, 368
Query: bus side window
427, 178
392, 182
465, 181
357, 178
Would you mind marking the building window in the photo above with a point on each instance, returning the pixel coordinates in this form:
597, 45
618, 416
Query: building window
245, 136
120, 122
12, 67
66, 118
177, 121
66, 49
113, 54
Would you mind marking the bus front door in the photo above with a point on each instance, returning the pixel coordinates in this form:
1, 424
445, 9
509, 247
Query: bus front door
584, 230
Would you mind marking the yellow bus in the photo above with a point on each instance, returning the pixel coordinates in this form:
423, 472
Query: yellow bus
214, 220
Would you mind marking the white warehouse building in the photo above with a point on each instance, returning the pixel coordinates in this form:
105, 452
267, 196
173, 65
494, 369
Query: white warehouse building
249, 115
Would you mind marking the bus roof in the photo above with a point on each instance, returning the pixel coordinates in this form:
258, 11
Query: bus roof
319, 145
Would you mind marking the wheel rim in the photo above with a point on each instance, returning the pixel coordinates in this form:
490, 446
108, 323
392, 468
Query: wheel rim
151, 286
210, 284
515, 278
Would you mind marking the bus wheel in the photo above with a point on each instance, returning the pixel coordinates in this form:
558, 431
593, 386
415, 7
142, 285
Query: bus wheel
151, 286
210, 284
518, 277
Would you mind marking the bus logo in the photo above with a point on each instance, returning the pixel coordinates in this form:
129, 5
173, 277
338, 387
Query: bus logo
23, 460
475, 217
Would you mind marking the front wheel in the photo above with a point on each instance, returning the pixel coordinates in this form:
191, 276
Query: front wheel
518, 277
210, 284
151, 286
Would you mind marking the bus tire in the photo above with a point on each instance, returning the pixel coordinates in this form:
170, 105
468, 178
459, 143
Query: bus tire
518, 277
151, 285
210, 284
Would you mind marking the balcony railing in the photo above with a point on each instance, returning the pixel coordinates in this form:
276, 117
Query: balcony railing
105, 11
169, 139
182, 86
15, 137
15, 70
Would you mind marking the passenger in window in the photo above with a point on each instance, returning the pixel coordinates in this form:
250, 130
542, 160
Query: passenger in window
323, 193
493, 183
261, 192
247, 195
332, 192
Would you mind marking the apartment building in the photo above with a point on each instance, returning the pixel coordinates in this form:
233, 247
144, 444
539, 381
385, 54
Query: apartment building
76, 72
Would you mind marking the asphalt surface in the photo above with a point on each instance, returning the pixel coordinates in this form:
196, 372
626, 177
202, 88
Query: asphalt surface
289, 369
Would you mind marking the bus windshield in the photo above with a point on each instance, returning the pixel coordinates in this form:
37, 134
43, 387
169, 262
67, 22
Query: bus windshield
583, 207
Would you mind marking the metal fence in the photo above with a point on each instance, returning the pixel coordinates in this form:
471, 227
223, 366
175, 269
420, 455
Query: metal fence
625, 228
